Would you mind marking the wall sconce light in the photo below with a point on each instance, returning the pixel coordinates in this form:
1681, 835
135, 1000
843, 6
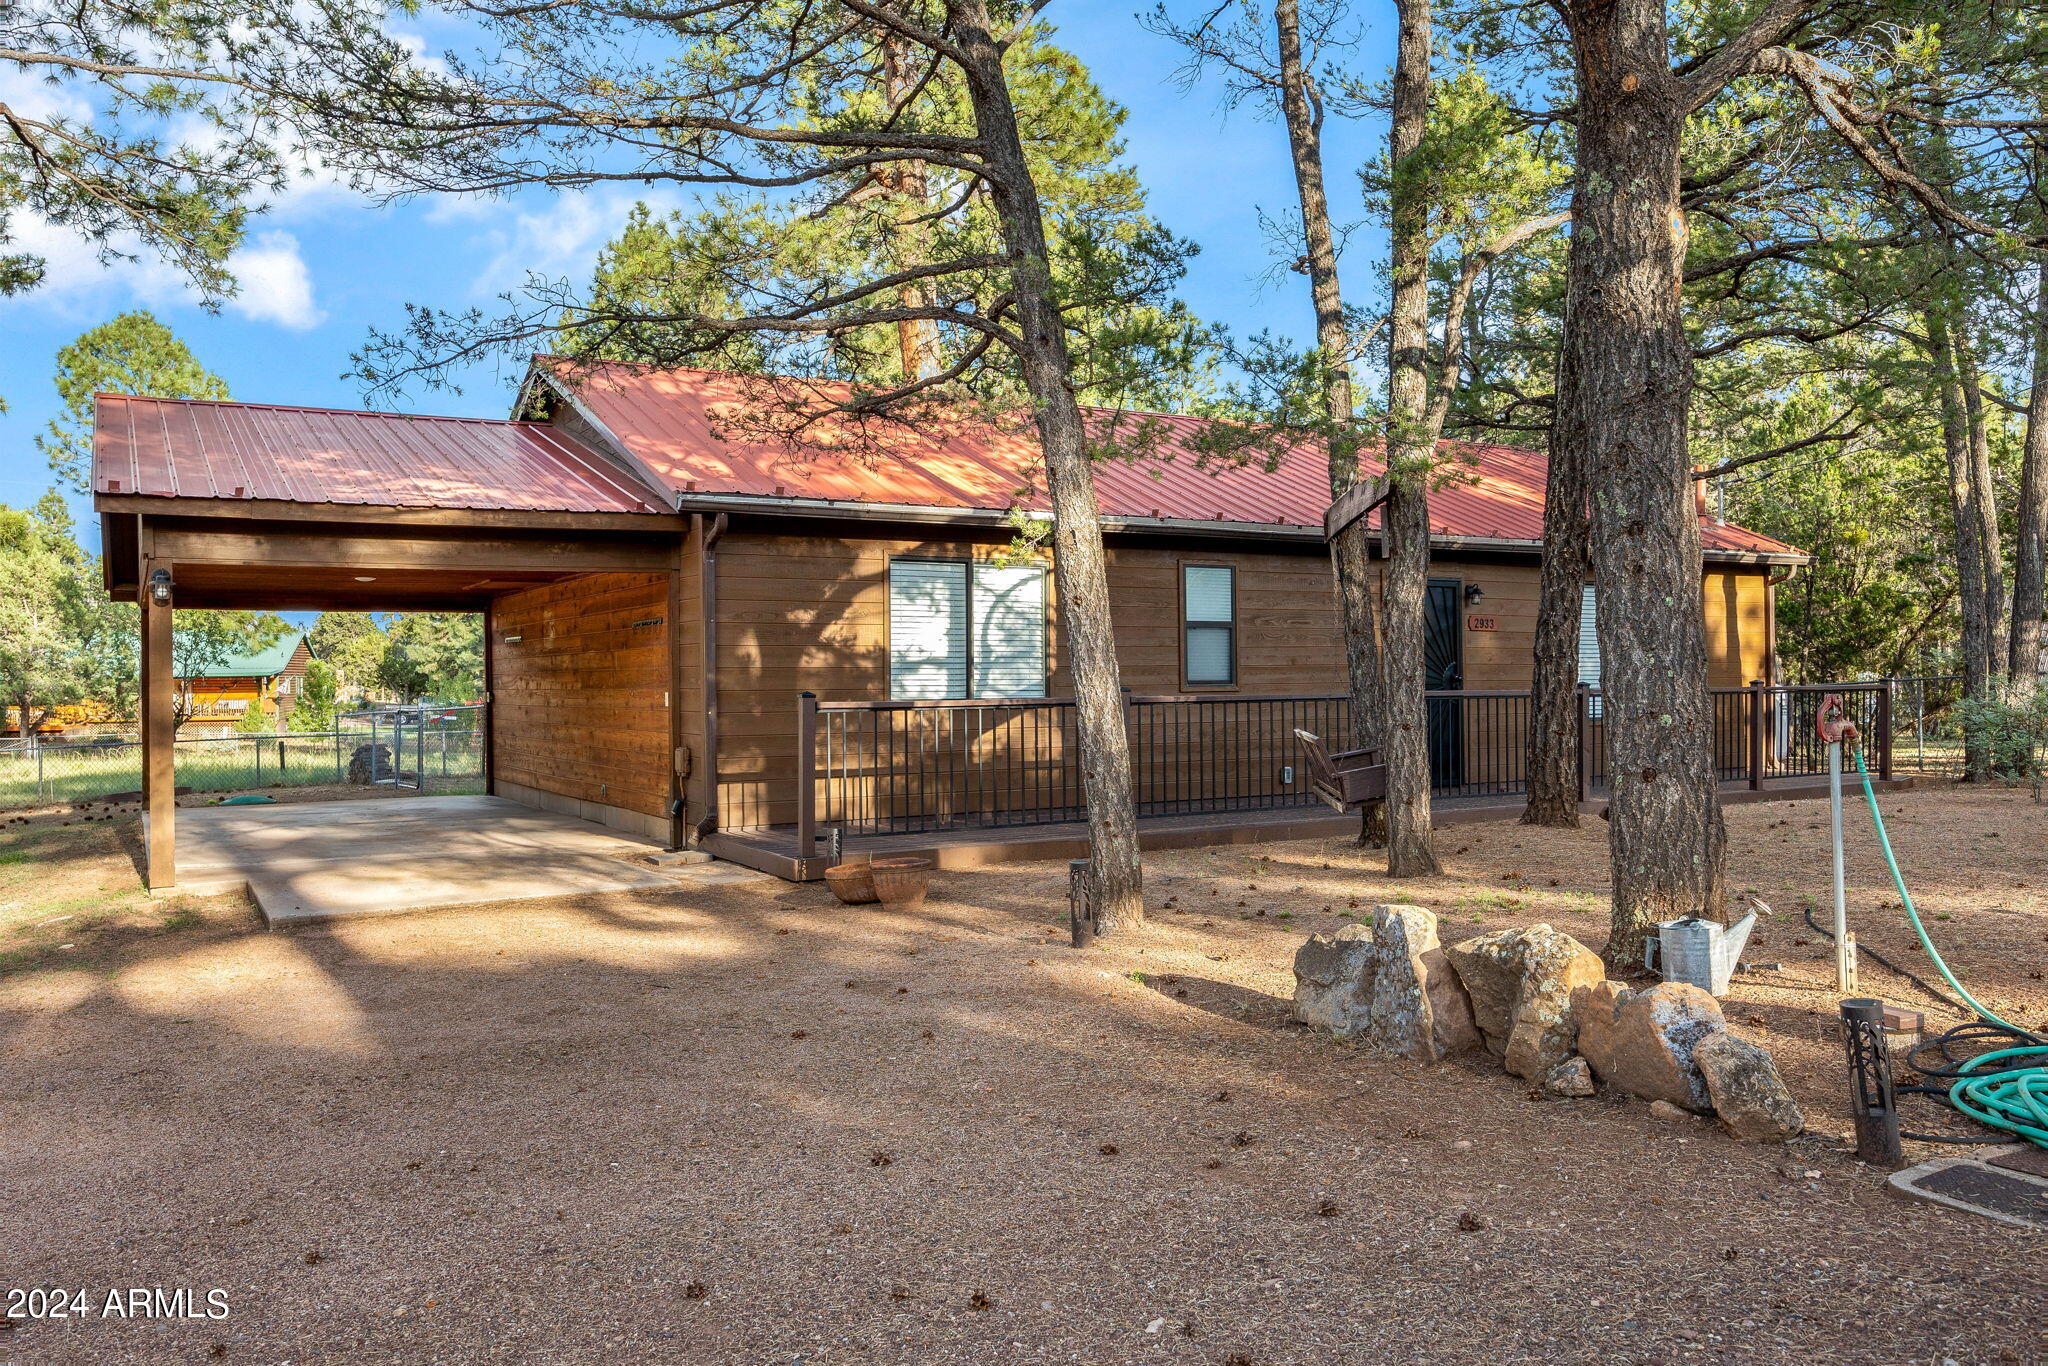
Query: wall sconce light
160, 587
513, 640
1473, 593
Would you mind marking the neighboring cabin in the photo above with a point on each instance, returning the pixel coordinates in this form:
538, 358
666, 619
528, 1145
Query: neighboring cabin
662, 586
213, 696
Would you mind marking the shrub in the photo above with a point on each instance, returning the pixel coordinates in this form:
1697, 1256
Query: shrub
2013, 731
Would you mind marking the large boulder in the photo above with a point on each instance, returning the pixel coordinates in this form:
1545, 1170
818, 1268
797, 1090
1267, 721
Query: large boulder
1521, 984
1593, 1007
1490, 969
1419, 1010
1333, 980
1643, 1042
1746, 1091
371, 763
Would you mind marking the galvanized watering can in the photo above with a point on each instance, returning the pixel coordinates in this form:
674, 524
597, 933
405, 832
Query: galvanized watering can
1701, 952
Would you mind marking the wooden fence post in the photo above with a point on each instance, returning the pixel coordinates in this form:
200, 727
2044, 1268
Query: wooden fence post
1131, 747
806, 775
1884, 730
1756, 735
1585, 740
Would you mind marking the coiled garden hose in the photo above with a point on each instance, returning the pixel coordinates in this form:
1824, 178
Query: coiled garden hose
2005, 1089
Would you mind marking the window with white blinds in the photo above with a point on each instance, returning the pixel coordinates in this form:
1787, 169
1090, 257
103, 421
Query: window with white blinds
1589, 637
1589, 646
965, 630
1008, 655
927, 629
1209, 624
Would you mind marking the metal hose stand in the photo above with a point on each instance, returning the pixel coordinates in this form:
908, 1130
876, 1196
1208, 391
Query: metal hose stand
1081, 901
1871, 1098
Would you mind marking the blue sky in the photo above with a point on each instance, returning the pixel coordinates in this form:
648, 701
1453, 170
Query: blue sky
323, 267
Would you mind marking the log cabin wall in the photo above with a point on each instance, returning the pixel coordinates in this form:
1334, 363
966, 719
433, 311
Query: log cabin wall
578, 721
811, 611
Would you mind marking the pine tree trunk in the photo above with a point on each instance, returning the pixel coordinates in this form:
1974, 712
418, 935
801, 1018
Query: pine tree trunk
1974, 571
1625, 380
909, 198
1984, 498
1552, 763
1080, 570
2029, 597
1351, 551
1411, 447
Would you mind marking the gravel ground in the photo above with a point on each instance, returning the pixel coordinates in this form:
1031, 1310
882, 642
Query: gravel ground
742, 1124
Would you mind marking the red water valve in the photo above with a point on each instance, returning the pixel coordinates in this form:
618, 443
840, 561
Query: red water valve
1833, 722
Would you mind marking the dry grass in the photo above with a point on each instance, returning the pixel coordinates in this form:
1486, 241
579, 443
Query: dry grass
741, 1124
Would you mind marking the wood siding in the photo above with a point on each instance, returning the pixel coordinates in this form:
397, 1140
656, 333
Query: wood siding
1738, 627
577, 701
812, 612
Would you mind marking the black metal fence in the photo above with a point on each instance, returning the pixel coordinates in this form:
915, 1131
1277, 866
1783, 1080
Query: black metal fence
435, 750
876, 768
1761, 734
1192, 755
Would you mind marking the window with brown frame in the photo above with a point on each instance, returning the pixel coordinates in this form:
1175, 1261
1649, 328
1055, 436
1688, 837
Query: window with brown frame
960, 629
1208, 604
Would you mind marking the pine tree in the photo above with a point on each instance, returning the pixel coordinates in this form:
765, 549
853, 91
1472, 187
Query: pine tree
133, 354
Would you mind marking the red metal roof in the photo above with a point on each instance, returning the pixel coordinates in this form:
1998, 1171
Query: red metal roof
678, 424
200, 449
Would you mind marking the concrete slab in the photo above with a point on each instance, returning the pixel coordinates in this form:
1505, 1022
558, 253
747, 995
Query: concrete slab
1976, 1187
314, 861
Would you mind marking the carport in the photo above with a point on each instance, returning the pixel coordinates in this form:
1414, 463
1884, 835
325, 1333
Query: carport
583, 572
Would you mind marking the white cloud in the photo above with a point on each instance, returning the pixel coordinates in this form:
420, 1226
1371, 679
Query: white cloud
415, 46
560, 238
35, 98
276, 286
77, 283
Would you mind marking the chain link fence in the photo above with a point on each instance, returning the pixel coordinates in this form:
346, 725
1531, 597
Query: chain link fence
432, 750
1927, 732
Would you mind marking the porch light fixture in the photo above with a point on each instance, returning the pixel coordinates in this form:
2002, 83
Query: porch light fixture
1473, 593
513, 640
160, 587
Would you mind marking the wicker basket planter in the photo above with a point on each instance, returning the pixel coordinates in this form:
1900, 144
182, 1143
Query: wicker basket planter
852, 882
901, 883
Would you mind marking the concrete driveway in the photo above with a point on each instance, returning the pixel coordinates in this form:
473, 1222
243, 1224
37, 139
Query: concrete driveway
324, 860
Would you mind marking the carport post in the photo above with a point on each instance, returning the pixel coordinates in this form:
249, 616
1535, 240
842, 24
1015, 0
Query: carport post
807, 775
159, 773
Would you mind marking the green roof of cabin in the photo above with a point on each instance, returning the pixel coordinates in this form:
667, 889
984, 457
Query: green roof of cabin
262, 664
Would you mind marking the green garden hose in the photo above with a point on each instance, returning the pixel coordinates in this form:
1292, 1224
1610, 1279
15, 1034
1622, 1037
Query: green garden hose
2006, 1089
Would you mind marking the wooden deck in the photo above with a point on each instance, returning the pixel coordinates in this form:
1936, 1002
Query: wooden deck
773, 849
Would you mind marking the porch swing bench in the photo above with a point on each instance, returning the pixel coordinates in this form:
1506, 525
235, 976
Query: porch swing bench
1346, 780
